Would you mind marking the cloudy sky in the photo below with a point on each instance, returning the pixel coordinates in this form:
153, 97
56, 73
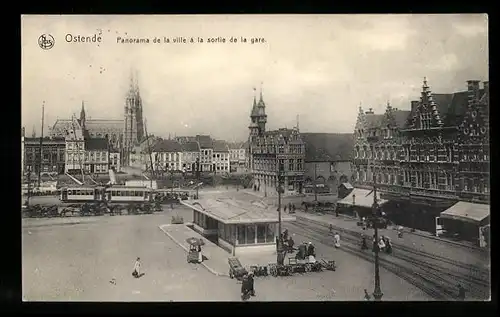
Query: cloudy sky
320, 68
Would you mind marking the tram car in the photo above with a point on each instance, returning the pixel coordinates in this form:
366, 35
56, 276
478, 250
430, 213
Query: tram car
115, 194
82, 194
118, 194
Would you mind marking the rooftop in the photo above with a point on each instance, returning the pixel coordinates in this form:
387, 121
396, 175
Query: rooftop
327, 147
468, 212
205, 141
231, 211
96, 144
220, 146
167, 146
361, 197
45, 140
191, 146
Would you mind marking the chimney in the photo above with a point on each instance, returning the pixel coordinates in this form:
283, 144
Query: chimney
414, 105
370, 111
472, 91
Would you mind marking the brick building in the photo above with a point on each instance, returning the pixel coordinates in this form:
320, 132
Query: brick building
429, 158
271, 151
52, 154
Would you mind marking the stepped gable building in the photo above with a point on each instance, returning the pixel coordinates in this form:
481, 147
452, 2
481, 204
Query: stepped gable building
474, 145
97, 128
328, 158
444, 156
271, 151
377, 147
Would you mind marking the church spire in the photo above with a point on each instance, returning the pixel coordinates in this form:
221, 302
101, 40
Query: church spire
261, 100
82, 114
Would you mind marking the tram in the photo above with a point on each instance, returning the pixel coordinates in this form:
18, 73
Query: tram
114, 194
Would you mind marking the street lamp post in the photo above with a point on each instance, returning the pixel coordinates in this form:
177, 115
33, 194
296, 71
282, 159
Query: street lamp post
172, 188
377, 292
279, 189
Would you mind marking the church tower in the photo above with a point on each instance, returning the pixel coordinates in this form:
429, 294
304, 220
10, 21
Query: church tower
82, 116
258, 117
133, 131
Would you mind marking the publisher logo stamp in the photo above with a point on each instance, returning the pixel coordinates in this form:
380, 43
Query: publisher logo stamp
46, 41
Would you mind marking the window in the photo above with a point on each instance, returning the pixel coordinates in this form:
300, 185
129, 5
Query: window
261, 233
425, 121
270, 232
242, 235
290, 164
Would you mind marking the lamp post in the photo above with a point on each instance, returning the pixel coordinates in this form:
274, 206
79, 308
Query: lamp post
377, 292
279, 189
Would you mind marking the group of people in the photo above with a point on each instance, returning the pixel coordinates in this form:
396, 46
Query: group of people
306, 251
383, 244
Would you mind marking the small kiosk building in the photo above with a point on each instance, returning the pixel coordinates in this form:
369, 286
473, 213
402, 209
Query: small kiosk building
238, 225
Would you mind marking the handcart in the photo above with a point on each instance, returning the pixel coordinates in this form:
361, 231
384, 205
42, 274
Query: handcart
236, 269
194, 250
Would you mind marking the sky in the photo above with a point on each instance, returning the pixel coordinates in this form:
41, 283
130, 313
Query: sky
317, 68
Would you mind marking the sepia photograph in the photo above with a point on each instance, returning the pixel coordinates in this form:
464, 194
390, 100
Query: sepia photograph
255, 158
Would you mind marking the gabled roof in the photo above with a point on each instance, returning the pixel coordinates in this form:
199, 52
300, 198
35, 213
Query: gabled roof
205, 141
327, 147
92, 144
220, 146
167, 146
237, 145
191, 146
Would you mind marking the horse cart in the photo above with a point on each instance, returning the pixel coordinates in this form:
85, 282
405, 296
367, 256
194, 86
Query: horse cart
236, 269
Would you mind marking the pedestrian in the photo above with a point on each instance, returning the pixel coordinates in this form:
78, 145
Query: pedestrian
336, 239
388, 245
285, 235
364, 246
381, 244
461, 292
367, 296
330, 228
284, 208
251, 284
293, 207
200, 255
290, 244
137, 268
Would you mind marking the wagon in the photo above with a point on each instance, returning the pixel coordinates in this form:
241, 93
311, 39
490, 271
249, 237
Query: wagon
236, 269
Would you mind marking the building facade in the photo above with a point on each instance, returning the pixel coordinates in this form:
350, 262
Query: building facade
206, 153
85, 154
474, 145
221, 157
96, 128
427, 159
167, 156
238, 156
377, 148
272, 152
190, 155
327, 159
52, 155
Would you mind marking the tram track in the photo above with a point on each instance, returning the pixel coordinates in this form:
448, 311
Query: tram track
434, 281
474, 273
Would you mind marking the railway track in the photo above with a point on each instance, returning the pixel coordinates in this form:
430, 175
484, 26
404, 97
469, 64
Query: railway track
436, 281
473, 273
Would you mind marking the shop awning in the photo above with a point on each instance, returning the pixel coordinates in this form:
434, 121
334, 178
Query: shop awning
361, 197
468, 212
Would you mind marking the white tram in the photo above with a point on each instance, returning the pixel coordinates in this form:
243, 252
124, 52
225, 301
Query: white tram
114, 194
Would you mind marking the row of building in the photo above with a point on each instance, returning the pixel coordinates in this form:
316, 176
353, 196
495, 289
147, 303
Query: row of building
426, 159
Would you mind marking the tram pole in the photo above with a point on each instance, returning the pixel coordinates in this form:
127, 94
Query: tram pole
377, 292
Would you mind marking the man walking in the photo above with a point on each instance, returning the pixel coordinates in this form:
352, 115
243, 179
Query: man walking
137, 268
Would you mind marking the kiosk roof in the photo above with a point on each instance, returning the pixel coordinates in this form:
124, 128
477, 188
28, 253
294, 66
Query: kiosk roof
231, 211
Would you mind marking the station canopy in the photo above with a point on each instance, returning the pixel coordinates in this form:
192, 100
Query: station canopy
467, 212
231, 211
361, 197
